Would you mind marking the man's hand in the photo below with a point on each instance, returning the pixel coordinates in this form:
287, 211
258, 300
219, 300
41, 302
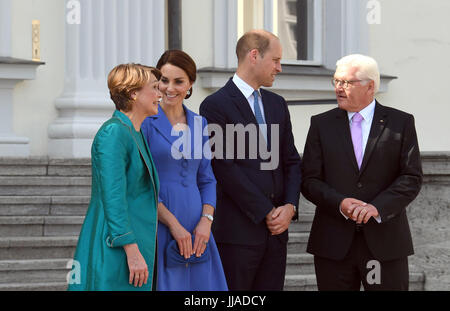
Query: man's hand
358, 210
348, 205
363, 213
279, 219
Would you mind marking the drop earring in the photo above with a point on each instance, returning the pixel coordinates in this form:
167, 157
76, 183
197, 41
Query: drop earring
188, 93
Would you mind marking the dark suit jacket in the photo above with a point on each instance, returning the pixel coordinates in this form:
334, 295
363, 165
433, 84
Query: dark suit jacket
390, 178
245, 193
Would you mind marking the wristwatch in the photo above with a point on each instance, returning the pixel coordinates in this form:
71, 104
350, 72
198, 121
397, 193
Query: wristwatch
209, 216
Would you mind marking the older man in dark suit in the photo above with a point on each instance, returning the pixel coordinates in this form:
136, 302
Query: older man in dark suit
361, 168
256, 194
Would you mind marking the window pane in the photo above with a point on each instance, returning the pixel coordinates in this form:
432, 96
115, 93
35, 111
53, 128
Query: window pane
291, 20
292, 24
250, 15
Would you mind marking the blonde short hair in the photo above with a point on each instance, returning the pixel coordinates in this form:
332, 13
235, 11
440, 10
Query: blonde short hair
367, 68
127, 78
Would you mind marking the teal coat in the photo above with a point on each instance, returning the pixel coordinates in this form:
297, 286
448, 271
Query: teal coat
122, 210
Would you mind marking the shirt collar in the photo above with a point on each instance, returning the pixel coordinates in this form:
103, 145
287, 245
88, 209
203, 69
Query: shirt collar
243, 86
366, 113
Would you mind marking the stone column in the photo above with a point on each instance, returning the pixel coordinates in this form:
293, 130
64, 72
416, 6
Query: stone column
110, 32
12, 71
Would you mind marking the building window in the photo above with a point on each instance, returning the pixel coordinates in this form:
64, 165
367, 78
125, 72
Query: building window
298, 24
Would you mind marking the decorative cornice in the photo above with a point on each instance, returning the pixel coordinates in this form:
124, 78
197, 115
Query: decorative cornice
18, 69
292, 79
19, 61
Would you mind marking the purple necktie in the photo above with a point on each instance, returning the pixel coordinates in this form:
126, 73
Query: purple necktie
355, 129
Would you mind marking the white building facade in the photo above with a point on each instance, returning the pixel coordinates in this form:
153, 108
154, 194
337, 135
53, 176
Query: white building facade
52, 106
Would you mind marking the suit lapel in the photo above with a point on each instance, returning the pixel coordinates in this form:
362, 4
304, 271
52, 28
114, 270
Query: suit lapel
242, 105
150, 164
345, 136
378, 124
163, 126
269, 114
146, 156
194, 141
240, 102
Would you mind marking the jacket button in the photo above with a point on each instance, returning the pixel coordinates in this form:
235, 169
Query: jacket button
359, 185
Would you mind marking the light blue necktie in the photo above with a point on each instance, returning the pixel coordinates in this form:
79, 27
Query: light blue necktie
258, 115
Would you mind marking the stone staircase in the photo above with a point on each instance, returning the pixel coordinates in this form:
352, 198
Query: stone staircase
42, 207
300, 275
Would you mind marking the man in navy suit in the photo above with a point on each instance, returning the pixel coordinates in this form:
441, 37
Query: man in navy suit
256, 196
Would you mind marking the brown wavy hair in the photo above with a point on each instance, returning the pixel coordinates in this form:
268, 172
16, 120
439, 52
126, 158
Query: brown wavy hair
182, 60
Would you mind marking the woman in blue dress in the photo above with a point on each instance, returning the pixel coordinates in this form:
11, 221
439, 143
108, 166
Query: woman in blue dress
188, 259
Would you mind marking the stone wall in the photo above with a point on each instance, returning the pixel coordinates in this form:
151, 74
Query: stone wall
429, 217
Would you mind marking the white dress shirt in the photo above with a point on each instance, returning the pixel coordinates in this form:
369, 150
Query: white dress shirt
367, 114
247, 91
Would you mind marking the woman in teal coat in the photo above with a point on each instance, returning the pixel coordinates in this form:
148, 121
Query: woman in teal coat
117, 244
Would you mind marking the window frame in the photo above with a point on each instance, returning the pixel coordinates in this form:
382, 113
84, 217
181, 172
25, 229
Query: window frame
317, 33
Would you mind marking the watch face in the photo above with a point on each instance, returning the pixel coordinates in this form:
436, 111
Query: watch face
209, 217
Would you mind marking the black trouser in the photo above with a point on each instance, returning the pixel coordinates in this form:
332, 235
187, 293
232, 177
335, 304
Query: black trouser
260, 267
360, 266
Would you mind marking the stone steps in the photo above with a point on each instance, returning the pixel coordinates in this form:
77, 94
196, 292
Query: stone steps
20, 248
33, 271
16, 226
23, 205
297, 242
45, 186
307, 282
303, 224
299, 264
42, 166
42, 207
45, 286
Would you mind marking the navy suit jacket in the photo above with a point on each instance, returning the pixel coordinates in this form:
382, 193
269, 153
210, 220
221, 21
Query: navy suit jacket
390, 178
245, 192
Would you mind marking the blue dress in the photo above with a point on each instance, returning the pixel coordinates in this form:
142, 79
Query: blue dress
186, 183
